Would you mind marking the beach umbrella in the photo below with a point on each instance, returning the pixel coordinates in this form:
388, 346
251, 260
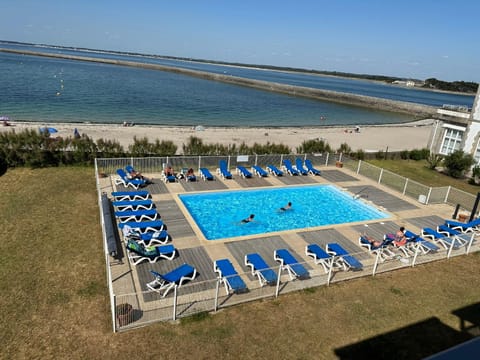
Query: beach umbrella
50, 130
4, 117
199, 128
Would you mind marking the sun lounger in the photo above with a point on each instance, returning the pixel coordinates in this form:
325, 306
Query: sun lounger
299, 166
206, 175
458, 236
229, 276
223, 170
259, 171
266, 276
137, 215
168, 178
151, 238
274, 170
425, 246
472, 226
243, 172
348, 261
144, 226
123, 179
133, 205
443, 239
289, 168
319, 256
381, 249
131, 195
311, 169
138, 252
289, 263
166, 282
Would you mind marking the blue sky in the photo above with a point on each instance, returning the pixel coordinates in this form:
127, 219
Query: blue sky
416, 39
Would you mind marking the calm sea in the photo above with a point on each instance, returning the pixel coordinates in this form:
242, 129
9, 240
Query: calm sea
56, 90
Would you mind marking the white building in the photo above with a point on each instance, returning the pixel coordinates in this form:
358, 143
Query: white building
457, 128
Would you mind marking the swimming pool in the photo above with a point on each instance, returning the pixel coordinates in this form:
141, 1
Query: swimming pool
219, 214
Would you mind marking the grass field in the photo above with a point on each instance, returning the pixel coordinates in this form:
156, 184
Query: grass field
419, 171
55, 305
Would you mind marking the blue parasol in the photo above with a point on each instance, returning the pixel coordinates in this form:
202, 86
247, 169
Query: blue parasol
50, 130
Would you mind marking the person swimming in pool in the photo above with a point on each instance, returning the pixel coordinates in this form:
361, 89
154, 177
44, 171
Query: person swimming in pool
286, 207
249, 219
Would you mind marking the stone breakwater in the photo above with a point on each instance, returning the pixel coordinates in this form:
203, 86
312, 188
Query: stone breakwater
418, 110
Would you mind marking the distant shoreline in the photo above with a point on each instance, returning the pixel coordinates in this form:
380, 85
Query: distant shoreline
296, 91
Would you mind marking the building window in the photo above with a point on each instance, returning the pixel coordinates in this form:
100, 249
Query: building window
451, 141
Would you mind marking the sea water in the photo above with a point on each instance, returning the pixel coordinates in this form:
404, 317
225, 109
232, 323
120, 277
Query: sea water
58, 90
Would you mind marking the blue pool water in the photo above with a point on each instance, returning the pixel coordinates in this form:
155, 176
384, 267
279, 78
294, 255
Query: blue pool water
219, 214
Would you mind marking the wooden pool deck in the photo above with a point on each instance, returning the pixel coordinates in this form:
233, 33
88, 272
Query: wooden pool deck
194, 250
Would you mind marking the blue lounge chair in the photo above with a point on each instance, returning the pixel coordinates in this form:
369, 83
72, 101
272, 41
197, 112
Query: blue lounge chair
259, 171
289, 168
206, 175
381, 249
134, 205
138, 252
299, 166
348, 261
125, 181
168, 178
266, 276
311, 169
272, 169
289, 263
131, 195
229, 276
458, 236
425, 246
243, 172
472, 226
144, 226
166, 282
137, 215
151, 238
223, 170
319, 256
443, 239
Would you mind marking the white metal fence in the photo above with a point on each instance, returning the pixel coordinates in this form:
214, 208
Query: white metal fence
141, 308
131, 310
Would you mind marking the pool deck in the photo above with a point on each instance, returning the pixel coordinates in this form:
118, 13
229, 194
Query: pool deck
192, 249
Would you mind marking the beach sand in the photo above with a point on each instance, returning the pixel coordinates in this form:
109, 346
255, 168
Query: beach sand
396, 137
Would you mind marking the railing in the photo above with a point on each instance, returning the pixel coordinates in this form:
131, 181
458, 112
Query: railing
139, 309
132, 310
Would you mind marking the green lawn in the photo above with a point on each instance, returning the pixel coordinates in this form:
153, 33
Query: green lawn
419, 171
55, 305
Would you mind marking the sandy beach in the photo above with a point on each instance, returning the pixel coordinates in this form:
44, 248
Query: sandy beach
396, 137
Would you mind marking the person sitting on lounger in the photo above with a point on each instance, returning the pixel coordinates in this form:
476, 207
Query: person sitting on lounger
169, 171
286, 207
249, 219
400, 238
190, 175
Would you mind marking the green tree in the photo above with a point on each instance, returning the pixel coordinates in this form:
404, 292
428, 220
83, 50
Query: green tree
457, 163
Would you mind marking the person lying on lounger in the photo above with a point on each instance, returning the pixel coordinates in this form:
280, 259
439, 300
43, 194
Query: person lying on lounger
286, 207
372, 241
137, 175
249, 219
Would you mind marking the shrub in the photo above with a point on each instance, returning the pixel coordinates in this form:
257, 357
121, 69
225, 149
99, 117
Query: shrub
433, 160
313, 146
344, 148
457, 163
404, 155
